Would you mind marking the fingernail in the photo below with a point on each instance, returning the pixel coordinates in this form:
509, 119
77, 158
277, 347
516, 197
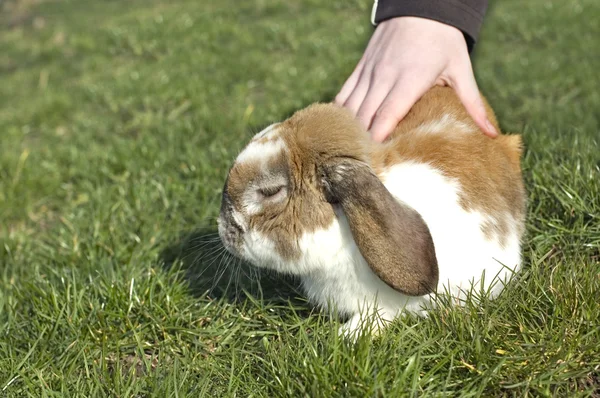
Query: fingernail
490, 128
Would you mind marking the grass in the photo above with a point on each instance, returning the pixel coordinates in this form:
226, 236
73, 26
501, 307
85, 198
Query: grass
118, 121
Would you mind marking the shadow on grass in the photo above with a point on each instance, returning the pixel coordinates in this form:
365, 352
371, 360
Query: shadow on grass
214, 273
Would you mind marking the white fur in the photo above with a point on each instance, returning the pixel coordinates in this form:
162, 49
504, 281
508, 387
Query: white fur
262, 151
443, 125
259, 249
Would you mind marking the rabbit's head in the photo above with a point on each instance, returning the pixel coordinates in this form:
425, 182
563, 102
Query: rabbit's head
303, 193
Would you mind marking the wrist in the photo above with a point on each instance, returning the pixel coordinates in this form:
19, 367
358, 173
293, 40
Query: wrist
464, 15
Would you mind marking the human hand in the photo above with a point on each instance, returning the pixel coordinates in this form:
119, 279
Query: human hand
405, 57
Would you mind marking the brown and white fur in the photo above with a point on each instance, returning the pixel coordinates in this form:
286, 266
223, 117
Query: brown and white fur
437, 208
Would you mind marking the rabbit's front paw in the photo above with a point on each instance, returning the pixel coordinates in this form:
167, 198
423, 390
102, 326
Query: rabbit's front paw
357, 326
352, 329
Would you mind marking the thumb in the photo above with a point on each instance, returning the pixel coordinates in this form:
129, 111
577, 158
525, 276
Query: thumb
467, 91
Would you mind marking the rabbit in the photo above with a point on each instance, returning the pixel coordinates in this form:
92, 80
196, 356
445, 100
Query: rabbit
383, 228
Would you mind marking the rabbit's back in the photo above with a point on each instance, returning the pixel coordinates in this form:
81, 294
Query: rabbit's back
467, 187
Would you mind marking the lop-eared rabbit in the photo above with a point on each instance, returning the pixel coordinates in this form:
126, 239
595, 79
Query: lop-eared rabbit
379, 227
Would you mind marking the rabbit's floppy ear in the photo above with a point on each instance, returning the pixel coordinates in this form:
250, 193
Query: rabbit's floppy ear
391, 236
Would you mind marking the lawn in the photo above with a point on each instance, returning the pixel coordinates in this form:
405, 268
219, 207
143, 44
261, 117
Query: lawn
118, 122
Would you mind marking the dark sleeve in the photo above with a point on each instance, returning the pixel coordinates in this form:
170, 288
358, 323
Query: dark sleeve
465, 15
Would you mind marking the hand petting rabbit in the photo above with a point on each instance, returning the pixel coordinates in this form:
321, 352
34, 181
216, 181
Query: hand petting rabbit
379, 227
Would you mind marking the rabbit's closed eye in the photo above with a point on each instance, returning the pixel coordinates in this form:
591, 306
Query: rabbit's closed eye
271, 191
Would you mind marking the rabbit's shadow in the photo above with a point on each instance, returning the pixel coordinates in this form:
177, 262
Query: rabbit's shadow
212, 272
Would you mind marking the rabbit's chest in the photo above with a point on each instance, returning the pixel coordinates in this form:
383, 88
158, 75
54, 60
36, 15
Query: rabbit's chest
350, 286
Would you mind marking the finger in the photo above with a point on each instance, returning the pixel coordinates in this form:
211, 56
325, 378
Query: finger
355, 99
350, 83
396, 105
373, 100
467, 91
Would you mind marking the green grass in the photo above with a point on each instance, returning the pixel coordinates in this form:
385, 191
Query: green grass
118, 122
